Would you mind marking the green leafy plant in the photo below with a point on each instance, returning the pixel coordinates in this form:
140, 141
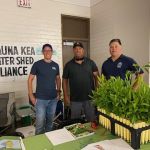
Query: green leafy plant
119, 97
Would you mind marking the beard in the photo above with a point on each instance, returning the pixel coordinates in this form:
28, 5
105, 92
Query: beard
79, 58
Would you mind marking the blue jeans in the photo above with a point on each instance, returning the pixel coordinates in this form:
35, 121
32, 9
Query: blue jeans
45, 112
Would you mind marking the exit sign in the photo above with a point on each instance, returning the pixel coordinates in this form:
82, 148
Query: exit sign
24, 3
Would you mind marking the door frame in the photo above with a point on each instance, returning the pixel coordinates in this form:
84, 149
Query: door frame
74, 38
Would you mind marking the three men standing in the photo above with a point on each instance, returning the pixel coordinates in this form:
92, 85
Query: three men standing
79, 80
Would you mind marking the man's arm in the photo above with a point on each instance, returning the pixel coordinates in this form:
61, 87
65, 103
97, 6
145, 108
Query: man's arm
138, 79
96, 74
58, 85
65, 91
30, 89
139, 73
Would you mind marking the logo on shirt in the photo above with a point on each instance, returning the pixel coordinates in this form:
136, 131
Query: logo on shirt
54, 68
119, 65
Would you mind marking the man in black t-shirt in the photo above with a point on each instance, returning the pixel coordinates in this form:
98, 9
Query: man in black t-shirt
81, 74
47, 90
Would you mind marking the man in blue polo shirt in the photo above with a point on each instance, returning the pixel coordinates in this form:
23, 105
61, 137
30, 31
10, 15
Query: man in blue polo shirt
118, 64
47, 89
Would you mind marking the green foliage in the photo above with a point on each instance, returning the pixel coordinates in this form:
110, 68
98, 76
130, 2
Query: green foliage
118, 96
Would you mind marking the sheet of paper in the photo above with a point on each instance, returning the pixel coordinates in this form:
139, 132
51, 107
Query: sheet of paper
115, 144
8, 143
120, 143
22, 144
59, 136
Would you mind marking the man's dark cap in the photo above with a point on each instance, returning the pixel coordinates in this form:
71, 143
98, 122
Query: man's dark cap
78, 44
47, 45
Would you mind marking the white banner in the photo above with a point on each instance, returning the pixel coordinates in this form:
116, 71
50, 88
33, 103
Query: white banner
16, 60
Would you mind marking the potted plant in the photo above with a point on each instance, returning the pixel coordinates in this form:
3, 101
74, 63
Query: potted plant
126, 102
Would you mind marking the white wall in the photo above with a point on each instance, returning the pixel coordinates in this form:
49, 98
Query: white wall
33, 26
76, 2
95, 2
128, 20
87, 3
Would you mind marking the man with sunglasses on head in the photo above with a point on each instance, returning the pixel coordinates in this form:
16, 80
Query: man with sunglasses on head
47, 89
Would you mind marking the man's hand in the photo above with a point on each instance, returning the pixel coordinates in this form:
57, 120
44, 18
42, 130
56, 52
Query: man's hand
65, 92
58, 94
32, 99
67, 100
137, 82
